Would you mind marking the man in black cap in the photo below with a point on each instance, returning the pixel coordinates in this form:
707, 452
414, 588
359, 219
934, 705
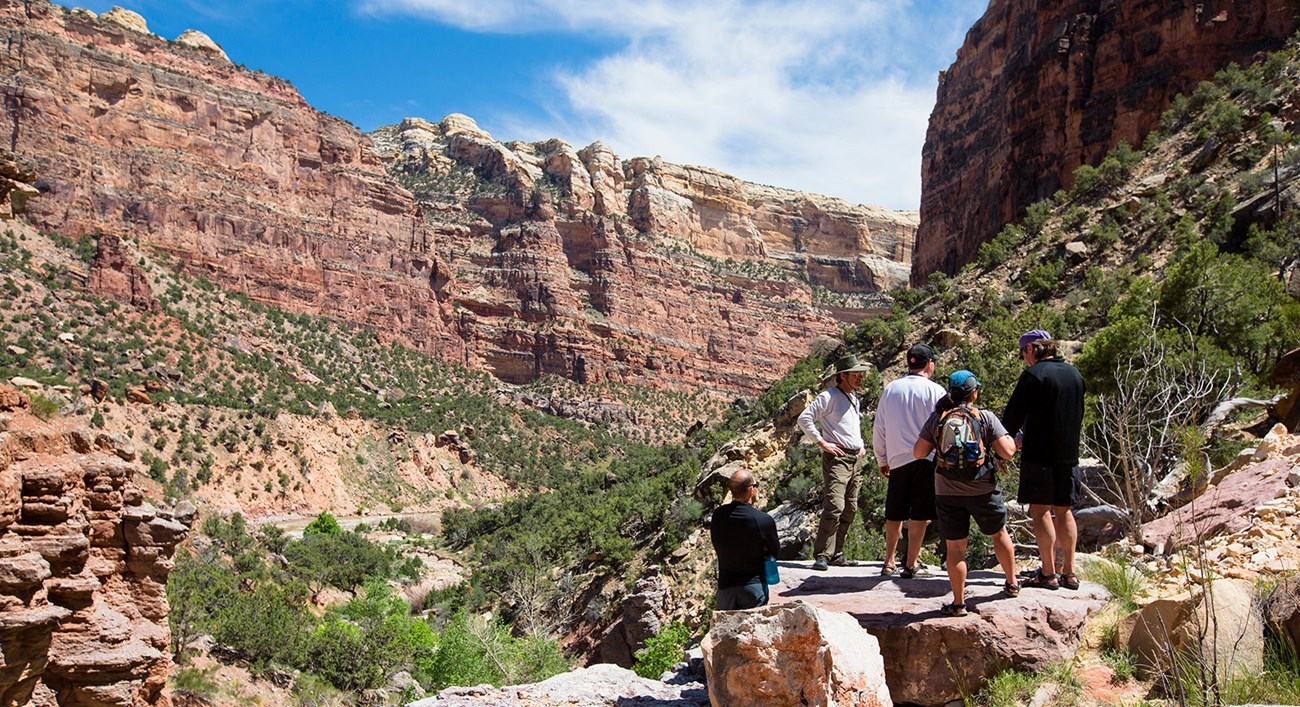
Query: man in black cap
838, 413
905, 405
744, 537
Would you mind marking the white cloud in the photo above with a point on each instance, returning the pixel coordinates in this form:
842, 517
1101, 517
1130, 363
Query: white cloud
821, 95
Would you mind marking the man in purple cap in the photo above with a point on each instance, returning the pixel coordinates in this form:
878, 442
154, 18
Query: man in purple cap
905, 404
1046, 407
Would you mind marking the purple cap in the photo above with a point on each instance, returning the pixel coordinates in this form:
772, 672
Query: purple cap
1030, 337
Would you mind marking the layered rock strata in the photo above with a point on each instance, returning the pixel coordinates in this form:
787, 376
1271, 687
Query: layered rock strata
519, 259
1040, 88
83, 568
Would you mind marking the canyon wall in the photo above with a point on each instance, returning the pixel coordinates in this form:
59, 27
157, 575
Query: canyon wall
1040, 88
83, 567
519, 259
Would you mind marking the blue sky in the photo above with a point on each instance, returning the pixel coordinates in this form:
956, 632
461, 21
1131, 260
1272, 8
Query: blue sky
827, 96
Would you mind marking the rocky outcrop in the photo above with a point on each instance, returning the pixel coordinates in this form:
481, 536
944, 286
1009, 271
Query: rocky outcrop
792, 654
113, 275
1041, 88
931, 659
83, 570
521, 259
642, 618
601, 685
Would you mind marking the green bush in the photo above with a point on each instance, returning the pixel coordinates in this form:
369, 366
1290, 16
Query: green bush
324, 524
1124, 582
43, 407
472, 651
194, 683
662, 651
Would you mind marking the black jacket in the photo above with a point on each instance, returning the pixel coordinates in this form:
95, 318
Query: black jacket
1047, 405
742, 536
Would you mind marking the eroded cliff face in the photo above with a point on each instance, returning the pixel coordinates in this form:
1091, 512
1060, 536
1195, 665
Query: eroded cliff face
519, 259
83, 567
1040, 88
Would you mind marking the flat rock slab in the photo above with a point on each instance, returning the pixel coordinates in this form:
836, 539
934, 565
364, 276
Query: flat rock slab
601, 685
1221, 508
931, 659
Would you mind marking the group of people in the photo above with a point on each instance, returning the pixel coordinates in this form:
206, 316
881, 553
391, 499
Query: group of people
940, 453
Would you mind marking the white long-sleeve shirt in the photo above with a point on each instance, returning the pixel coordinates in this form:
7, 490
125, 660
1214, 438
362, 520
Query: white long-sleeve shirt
905, 405
839, 415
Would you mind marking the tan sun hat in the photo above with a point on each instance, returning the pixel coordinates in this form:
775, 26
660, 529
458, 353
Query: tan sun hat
846, 364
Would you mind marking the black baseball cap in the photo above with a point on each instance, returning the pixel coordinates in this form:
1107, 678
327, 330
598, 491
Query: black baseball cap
919, 355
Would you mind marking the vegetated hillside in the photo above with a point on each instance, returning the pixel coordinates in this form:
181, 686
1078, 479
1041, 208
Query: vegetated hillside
524, 260
242, 406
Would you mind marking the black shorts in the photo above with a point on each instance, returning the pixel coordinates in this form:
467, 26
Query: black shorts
955, 512
910, 495
1049, 484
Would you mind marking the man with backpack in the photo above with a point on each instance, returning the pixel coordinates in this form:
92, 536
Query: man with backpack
839, 414
905, 405
1047, 404
965, 441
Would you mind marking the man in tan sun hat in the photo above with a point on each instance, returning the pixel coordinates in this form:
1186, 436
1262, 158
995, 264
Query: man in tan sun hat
838, 413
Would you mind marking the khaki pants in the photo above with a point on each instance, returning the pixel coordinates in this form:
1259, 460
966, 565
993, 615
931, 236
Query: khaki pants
841, 483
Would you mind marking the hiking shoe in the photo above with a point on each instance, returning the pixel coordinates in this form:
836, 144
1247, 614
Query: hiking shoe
888, 570
953, 609
840, 561
919, 570
1011, 590
1068, 580
1042, 581
821, 564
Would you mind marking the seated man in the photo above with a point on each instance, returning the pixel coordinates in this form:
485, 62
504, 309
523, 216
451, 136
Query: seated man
743, 537
964, 481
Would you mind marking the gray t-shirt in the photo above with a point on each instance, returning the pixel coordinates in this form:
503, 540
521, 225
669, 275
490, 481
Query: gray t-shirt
991, 428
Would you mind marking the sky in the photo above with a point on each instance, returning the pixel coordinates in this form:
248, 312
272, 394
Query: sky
827, 96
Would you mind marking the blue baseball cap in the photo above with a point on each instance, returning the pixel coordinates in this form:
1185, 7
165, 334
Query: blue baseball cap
962, 382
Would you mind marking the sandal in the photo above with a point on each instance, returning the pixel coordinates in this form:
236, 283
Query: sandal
1042, 581
1069, 581
919, 570
887, 570
1012, 590
953, 609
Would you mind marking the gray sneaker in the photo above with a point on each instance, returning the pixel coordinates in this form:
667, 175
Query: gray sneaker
840, 561
821, 564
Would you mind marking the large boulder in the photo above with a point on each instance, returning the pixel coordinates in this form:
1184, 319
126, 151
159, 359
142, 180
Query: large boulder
932, 659
792, 654
1218, 623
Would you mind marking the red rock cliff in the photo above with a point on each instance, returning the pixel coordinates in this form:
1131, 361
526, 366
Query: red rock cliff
1040, 87
83, 568
520, 259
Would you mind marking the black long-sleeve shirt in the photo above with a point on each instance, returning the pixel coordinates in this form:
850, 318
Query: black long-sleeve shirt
742, 536
1048, 405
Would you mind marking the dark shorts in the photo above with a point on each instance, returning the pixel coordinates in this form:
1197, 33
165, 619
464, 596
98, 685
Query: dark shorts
1049, 484
746, 596
911, 492
955, 512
